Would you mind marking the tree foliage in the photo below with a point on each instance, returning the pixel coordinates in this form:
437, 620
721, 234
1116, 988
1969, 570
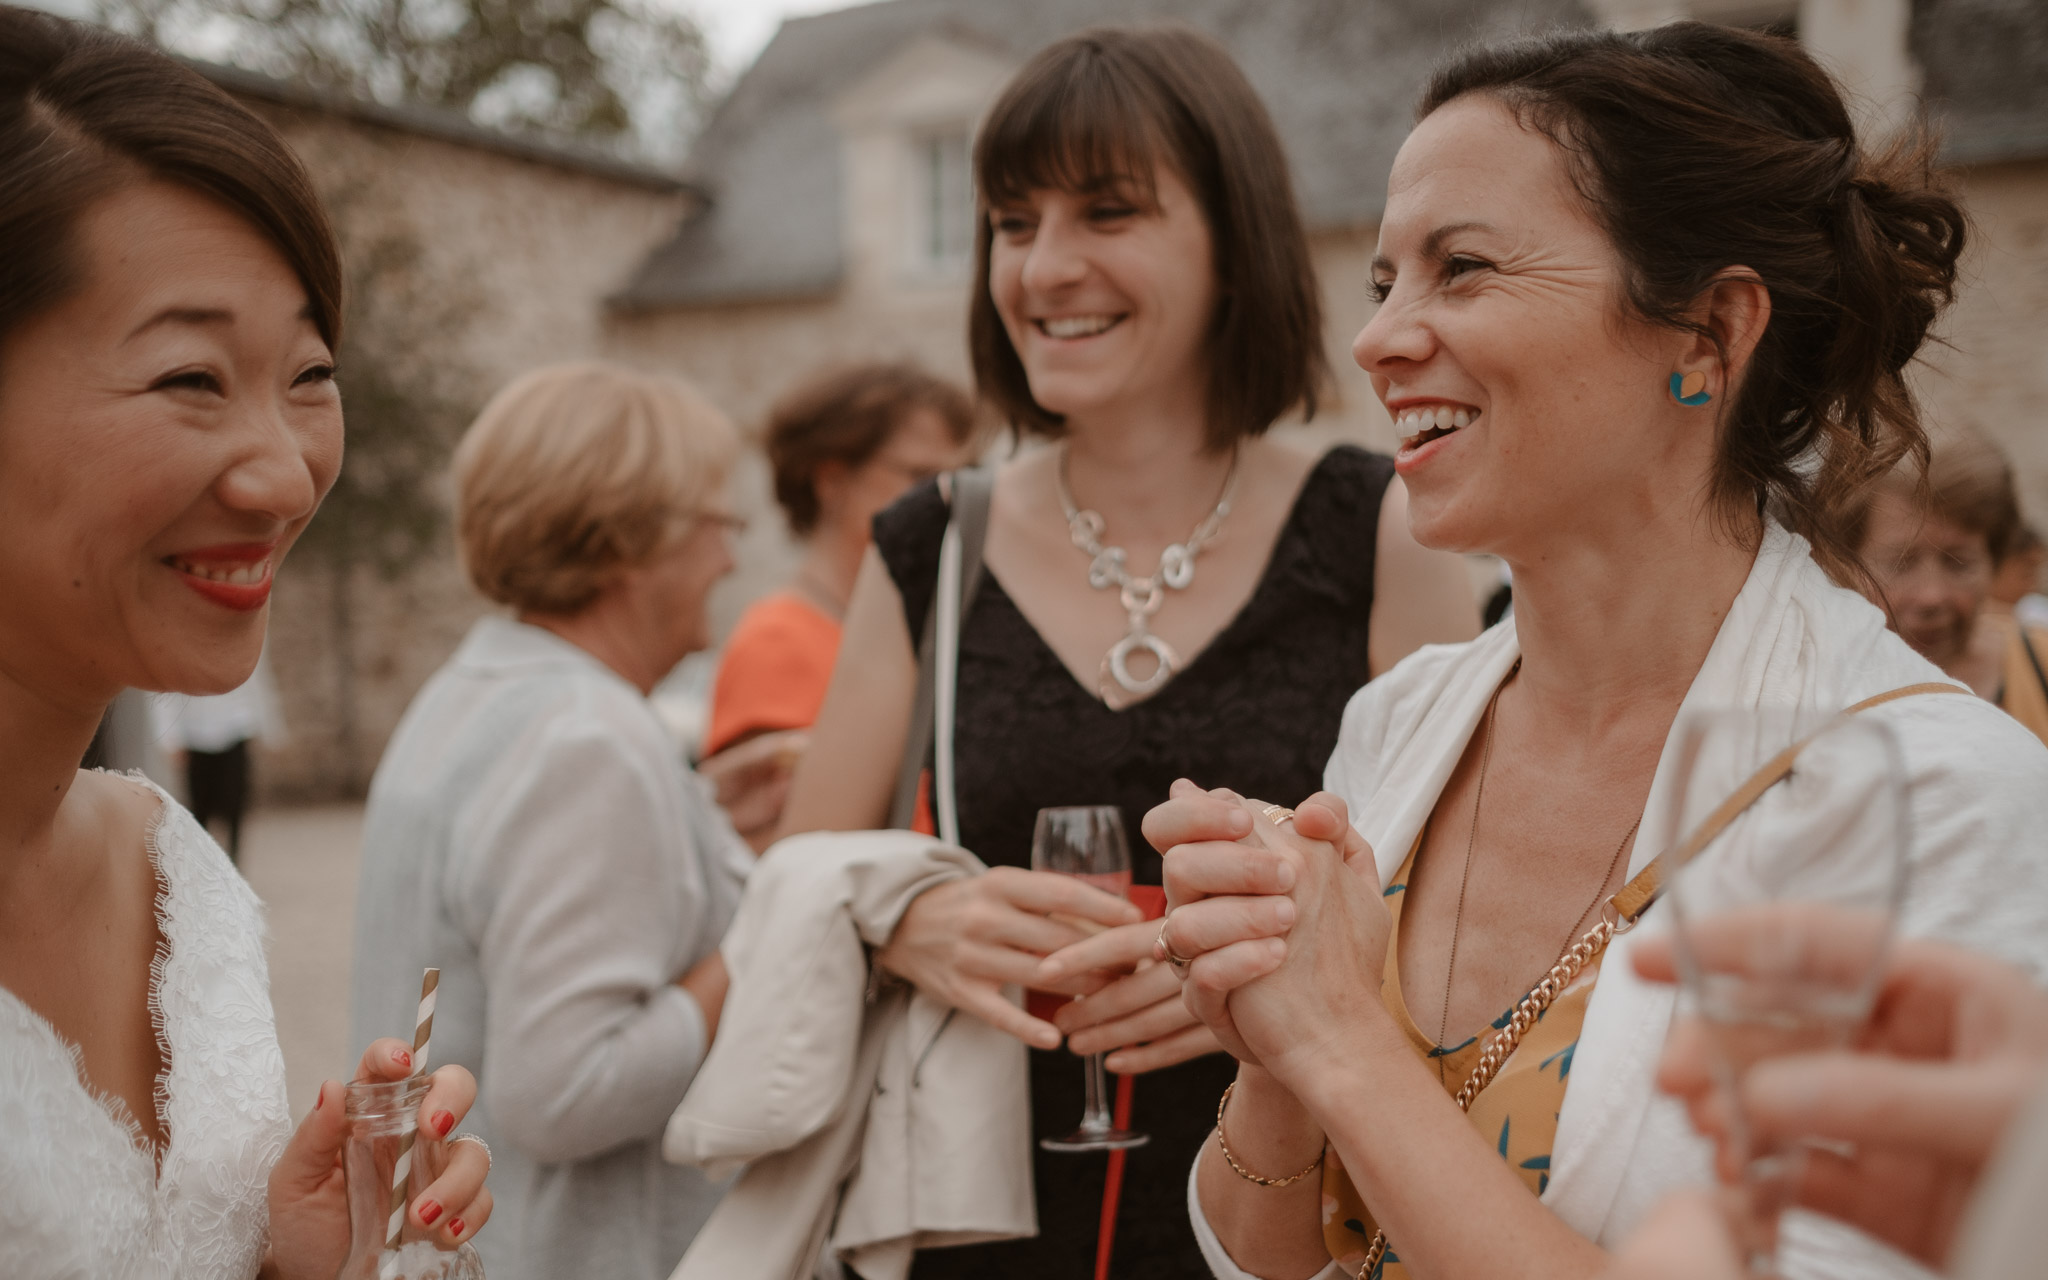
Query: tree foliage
628, 74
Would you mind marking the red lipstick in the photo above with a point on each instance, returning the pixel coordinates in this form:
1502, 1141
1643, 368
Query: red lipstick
207, 570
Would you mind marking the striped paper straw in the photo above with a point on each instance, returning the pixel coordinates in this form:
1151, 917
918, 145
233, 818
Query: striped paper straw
401, 1170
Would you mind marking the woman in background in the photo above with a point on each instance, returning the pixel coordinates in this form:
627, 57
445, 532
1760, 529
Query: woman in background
170, 302
533, 833
843, 446
1934, 550
1144, 305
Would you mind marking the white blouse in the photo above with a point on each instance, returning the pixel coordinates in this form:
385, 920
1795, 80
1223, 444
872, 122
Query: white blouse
1978, 786
81, 1195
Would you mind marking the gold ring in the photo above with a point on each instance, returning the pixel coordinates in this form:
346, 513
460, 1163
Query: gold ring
1178, 963
1277, 814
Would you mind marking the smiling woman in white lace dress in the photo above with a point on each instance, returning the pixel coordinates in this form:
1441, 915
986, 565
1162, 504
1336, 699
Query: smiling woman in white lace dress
169, 305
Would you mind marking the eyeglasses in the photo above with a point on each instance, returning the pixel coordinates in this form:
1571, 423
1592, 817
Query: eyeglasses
1900, 564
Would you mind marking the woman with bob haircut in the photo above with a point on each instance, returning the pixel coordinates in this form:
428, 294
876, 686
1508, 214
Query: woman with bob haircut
170, 303
533, 832
842, 446
1146, 308
1668, 304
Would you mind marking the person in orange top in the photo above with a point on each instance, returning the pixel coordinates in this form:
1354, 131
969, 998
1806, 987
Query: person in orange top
843, 446
1935, 551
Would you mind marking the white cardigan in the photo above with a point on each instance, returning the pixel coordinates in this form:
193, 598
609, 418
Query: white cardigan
1979, 802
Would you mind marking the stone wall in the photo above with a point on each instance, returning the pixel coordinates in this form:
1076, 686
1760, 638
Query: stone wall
514, 261
1993, 374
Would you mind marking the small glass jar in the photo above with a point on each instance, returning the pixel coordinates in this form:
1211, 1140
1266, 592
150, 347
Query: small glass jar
380, 1118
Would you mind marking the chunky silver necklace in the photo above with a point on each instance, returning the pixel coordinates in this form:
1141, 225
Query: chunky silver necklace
1141, 597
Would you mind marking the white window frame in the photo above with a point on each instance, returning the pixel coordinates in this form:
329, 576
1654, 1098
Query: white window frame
939, 202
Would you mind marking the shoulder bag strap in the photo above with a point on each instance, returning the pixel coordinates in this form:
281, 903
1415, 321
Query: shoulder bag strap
1636, 896
2033, 658
938, 655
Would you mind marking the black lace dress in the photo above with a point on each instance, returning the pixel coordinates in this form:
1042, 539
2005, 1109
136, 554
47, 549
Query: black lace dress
1257, 711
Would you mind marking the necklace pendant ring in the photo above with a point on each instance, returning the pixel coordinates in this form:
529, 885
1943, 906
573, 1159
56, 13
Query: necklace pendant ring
1118, 662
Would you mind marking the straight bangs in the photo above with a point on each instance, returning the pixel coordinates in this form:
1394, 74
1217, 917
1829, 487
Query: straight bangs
1100, 112
1080, 126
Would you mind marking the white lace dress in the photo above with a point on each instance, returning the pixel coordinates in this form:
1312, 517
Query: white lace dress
80, 1193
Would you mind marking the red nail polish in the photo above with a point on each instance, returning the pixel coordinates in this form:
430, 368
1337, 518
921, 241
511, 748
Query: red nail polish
401, 1057
454, 1228
443, 1121
320, 1098
429, 1211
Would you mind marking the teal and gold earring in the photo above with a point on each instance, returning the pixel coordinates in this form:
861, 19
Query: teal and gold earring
1690, 388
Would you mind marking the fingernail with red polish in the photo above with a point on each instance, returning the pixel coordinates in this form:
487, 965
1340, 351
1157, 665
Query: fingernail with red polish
401, 1057
454, 1228
429, 1211
320, 1098
443, 1121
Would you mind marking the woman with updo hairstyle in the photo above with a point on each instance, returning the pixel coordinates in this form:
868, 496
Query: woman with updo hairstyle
1170, 588
842, 446
170, 303
532, 830
1667, 302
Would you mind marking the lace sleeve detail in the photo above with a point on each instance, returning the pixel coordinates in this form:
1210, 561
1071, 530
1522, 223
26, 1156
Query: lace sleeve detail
222, 1099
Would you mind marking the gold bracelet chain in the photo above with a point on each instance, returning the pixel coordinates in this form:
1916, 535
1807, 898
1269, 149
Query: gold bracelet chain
1239, 1169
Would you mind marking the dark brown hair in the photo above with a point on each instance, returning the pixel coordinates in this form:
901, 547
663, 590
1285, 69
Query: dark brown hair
84, 112
846, 416
1703, 148
1100, 110
1968, 483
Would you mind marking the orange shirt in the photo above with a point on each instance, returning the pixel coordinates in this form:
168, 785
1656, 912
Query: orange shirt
777, 665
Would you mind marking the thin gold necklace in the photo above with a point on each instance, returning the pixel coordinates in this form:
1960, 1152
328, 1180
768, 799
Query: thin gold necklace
1465, 878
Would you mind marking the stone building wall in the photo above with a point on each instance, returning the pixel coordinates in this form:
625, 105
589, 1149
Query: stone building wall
515, 260
1993, 375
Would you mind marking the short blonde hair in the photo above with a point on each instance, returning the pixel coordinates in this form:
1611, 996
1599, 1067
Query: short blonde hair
575, 471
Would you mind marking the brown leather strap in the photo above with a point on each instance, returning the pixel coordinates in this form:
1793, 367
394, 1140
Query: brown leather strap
1635, 897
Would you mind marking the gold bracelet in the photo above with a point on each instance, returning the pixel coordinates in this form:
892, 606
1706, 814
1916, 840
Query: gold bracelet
1239, 1169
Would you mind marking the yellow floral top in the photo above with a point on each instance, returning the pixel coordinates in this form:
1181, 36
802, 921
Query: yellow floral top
1517, 1112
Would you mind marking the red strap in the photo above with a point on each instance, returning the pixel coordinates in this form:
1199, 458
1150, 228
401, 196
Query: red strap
1150, 899
1113, 1183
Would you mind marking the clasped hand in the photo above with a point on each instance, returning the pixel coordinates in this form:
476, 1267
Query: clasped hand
1284, 927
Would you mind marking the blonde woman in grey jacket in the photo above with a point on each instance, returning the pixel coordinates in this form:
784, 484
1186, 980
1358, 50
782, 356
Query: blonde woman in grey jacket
532, 830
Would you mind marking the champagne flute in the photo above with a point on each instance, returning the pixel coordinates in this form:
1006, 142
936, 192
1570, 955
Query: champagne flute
1783, 922
1087, 842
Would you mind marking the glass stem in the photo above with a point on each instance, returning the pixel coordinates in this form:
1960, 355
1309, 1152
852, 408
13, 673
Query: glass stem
1095, 1117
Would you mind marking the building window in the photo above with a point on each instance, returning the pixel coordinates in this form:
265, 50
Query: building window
943, 216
